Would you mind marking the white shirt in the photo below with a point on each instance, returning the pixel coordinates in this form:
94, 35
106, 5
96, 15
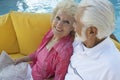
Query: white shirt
101, 62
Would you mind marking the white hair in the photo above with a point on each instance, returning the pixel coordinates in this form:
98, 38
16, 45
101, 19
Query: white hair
69, 6
100, 14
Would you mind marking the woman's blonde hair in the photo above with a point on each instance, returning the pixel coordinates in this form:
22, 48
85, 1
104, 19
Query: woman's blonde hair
69, 6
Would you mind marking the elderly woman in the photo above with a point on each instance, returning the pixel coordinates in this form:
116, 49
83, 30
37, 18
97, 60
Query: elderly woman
95, 56
52, 58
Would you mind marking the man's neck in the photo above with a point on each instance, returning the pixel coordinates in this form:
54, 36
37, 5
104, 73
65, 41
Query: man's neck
92, 42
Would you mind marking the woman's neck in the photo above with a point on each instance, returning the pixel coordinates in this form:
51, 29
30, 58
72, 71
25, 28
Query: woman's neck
56, 38
51, 43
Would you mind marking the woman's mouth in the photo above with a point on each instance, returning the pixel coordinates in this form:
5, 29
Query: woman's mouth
59, 30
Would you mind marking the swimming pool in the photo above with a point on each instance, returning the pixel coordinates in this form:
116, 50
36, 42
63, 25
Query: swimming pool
46, 6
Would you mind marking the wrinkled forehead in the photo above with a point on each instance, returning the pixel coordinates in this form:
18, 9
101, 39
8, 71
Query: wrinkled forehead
65, 15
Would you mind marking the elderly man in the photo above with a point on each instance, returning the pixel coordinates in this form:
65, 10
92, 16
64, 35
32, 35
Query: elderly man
95, 56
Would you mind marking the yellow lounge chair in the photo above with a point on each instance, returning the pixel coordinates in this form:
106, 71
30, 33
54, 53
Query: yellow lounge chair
21, 33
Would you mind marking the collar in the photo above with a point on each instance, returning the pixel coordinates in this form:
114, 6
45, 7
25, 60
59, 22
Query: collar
95, 51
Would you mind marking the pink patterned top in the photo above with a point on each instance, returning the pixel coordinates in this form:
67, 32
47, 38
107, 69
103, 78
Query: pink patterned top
53, 63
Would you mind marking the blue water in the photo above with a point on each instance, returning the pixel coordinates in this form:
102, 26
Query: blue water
46, 6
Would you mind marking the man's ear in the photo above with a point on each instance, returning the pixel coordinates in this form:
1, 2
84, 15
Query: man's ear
92, 31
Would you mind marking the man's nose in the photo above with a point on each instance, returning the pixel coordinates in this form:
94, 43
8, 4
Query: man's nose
74, 26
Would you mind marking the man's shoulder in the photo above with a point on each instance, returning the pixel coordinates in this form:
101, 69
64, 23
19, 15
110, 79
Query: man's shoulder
112, 60
76, 43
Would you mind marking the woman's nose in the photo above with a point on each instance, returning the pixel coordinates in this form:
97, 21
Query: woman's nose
60, 24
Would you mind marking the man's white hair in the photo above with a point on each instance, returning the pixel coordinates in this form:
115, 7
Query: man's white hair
100, 14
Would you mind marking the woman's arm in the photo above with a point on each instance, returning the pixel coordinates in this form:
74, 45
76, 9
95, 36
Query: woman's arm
61, 70
49, 79
24, 59
62, 65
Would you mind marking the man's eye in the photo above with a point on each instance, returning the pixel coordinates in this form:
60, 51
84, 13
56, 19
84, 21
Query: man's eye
66, 22
58, 18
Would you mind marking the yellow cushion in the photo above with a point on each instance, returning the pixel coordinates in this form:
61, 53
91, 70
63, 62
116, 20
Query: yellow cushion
8, 41
16, 55
117, 44
30, 29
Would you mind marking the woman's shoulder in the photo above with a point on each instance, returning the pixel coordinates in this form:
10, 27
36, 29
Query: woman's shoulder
65, 50
48, 34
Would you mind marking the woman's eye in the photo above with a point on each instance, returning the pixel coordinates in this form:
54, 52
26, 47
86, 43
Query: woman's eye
66, 22
58, 18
